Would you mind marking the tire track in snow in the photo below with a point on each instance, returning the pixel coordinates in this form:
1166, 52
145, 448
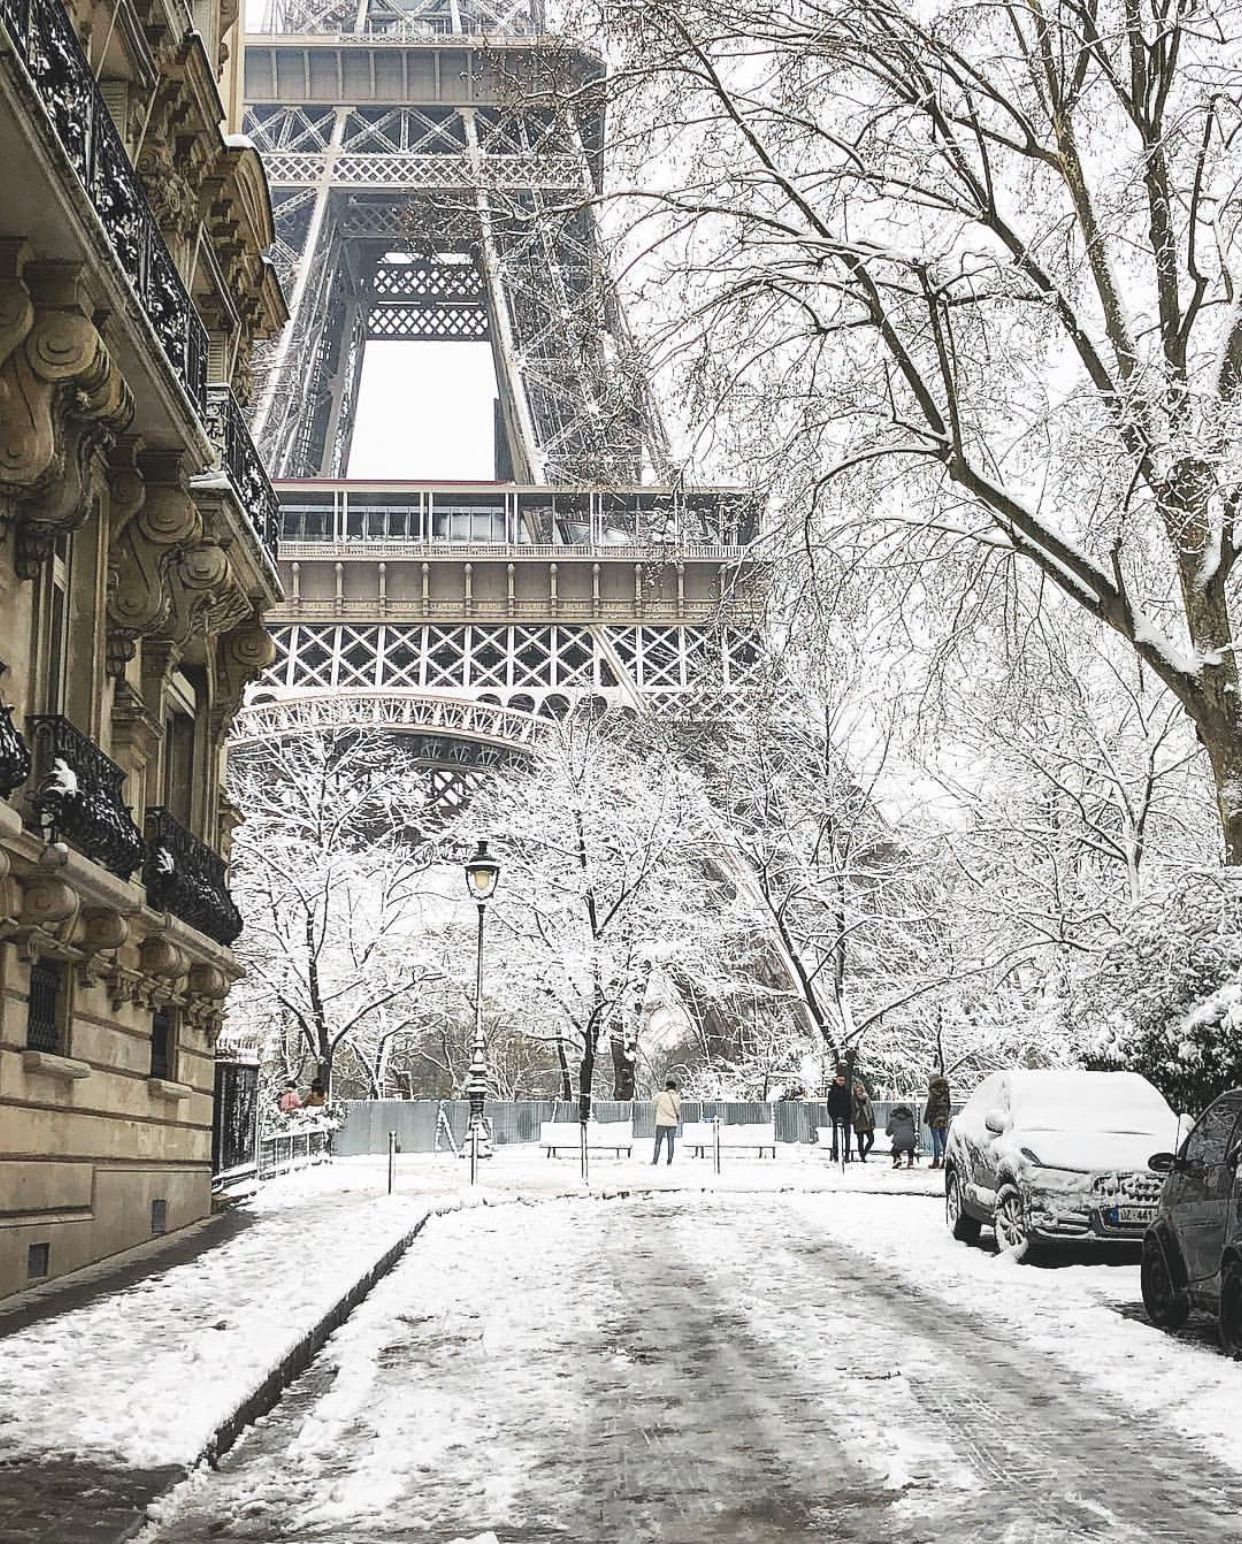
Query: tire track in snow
1058, 1455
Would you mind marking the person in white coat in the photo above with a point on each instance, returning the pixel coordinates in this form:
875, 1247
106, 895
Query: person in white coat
667, 1118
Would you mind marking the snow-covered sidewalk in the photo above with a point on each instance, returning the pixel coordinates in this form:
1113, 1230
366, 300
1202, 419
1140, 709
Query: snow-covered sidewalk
145, 1377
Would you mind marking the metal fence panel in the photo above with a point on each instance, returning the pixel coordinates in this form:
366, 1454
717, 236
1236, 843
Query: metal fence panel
416, 1121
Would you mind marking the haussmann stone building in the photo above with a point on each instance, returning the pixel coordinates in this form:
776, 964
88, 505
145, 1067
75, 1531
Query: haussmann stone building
137, 532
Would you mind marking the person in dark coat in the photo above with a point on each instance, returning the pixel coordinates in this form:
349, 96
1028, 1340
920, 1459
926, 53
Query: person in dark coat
936, 1114
864, 1122
841, 1114
901, 1129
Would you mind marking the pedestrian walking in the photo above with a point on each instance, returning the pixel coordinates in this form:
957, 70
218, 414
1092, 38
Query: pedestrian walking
317, 1097
289, 1099
667, 1118
841, 1114
864, 1122
936, 1114
901, 1129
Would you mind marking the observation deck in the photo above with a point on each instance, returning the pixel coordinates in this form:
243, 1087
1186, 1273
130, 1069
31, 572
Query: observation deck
523, 597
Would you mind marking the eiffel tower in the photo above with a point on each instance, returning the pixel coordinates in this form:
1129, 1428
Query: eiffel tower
421, 194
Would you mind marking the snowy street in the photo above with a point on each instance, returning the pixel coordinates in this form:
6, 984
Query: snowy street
732, 1367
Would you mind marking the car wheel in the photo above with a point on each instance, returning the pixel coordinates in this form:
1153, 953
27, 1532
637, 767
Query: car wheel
965, 1229
1010, 1222
1167, 1306
1231, 1309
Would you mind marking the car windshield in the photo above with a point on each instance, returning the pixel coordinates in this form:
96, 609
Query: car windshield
1105, 1102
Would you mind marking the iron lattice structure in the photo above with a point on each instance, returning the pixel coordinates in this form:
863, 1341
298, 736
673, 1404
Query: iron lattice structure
429, 186
424, 189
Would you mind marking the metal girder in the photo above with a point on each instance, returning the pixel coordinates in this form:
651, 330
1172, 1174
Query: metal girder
435, 178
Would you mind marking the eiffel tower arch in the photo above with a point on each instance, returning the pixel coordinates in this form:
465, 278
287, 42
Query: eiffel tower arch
417, 196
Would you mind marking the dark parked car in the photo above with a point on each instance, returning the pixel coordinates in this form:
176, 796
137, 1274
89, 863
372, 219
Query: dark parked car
1192, 1253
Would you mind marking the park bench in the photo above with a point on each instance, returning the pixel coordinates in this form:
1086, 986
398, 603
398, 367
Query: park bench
697, 1135
602, 1136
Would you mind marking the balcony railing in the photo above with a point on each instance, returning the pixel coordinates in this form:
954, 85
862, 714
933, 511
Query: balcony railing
371, 549
185, 877
43, 37
78, 796
240, 462
14, 754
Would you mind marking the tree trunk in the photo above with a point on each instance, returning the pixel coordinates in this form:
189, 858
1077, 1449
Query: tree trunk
1223, 743
562, 1065
586, 1070
1213, 703
623, 1061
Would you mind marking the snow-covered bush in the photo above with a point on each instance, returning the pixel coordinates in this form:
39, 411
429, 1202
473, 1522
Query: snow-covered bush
1165, 999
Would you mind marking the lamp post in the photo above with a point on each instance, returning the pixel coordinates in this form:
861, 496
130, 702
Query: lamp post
482, 872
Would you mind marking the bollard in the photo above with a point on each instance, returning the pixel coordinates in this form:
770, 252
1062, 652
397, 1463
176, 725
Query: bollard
392, 1158
716, 1143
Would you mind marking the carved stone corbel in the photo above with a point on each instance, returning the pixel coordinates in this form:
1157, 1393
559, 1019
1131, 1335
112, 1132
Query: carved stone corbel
10, 897
206, 990
60, 397
200, 585
160, 957
100, 932
48, 918
208, 981
142, 552
241, 656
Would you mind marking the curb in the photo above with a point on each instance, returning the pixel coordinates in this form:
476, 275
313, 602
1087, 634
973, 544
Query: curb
296, 1361
265, 1397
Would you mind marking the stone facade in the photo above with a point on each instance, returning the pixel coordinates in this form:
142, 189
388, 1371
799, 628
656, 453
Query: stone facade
137, 545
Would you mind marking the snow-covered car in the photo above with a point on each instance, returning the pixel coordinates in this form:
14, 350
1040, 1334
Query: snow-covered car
1192, 1253
1050, 1157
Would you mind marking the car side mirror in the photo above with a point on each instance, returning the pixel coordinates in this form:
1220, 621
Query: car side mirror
1162, 1163
996, 1123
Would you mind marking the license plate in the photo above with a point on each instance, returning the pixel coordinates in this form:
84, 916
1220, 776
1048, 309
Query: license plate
1129, 1216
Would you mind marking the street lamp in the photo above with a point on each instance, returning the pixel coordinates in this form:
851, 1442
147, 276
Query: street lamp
482, 872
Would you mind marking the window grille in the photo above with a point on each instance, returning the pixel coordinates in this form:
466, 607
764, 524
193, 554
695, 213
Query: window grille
43, 1009
161, 1042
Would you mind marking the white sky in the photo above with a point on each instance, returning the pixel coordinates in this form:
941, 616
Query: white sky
424, 411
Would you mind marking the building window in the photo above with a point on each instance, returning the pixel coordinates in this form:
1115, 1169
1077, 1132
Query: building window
38, 1261
163, 1047
44, 1007
180, 749
301, 522
159, 1217
56, 626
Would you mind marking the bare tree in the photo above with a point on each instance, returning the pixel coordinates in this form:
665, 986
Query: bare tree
979, 262
602, 881
329, 868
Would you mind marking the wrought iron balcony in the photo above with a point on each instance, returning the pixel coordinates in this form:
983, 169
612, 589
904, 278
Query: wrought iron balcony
185, 877
78, 796
14, 754
241, 464
42, 36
